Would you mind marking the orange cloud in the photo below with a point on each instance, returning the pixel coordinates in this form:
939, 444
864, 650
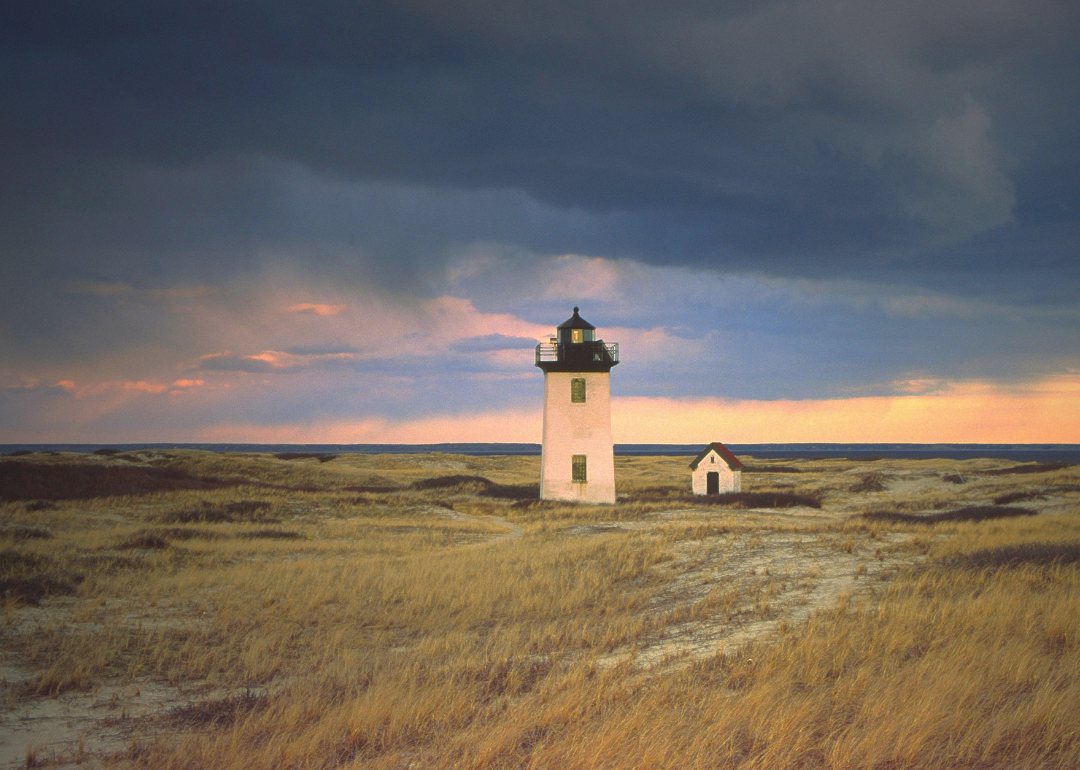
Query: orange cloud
316, 309
114, 386
143, 386
188, 383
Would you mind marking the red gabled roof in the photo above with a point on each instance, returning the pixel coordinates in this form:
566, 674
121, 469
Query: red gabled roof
731, 460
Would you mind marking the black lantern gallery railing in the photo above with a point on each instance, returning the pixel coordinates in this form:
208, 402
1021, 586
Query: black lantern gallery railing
578, 352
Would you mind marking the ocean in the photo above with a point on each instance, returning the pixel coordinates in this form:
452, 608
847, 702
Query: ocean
1067, 453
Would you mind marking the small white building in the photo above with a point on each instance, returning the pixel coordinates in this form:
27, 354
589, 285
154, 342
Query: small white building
716, 470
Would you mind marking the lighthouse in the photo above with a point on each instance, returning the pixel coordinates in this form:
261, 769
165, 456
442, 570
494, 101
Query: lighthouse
578, 459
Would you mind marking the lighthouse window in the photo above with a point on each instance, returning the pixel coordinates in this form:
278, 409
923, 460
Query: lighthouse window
577, 468
577, 335
577, 390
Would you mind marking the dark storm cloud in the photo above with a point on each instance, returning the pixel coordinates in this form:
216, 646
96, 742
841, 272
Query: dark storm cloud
39, 389
785, 137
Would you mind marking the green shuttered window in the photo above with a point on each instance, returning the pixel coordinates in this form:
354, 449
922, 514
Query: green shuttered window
578, 468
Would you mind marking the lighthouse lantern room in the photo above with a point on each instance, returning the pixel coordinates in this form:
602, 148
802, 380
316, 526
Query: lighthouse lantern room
578, 460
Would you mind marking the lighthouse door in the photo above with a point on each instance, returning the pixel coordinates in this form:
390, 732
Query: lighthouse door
712, 483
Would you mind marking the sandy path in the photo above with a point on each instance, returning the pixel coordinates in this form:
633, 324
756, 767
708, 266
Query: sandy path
513, 531
773, 581
737, 588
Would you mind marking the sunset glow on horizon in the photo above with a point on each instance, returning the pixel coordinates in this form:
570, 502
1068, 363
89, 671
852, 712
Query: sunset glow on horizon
971, 414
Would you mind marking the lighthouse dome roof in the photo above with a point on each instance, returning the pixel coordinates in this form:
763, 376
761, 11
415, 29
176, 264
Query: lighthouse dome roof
575, 322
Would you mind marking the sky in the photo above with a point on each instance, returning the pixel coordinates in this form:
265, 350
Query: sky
351, 222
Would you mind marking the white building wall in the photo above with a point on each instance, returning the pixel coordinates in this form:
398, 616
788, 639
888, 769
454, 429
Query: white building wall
577, 429
730, 481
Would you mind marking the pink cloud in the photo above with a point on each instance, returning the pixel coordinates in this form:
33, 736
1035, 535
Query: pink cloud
143, 386
90, 389
563, 278
316, 309
267, 361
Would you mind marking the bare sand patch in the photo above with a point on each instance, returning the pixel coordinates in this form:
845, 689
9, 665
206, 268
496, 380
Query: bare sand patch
738, 588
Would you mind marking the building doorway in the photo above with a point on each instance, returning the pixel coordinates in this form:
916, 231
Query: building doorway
712, 483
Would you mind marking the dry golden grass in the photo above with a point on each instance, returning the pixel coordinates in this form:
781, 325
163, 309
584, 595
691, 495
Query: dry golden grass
327, 626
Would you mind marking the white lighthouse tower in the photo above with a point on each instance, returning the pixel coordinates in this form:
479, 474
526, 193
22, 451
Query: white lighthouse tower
578, 459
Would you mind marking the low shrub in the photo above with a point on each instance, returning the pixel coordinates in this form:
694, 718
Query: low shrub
209, 513
31, 589
872, 482
218, 713
763, 500
86, 563
375, 483
1015, 497
25, 578
248, 509
148, 540
25, 533
660, 494
184, 533
23, 480
513, 491
205, 515
1037, 554
13, 561
971, 513
444, 482
322, 458
271, 534
1029, 468
481, 486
